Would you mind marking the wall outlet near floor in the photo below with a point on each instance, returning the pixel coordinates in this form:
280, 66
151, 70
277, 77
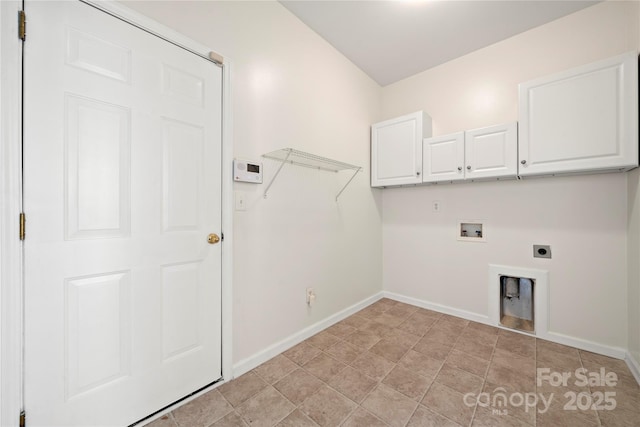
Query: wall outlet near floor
311, 296
437, 206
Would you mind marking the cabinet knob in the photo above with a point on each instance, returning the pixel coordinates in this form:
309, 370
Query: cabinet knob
524, 162
469, 167
417, 173
460, 168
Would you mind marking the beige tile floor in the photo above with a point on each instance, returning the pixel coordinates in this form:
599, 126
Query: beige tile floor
393, 364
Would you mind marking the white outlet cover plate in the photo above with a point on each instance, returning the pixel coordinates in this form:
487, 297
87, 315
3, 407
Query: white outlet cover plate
240, 201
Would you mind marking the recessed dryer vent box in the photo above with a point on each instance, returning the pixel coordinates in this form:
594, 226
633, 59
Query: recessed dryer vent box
471, 231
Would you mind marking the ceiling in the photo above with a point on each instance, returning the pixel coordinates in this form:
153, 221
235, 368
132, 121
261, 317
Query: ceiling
392, 40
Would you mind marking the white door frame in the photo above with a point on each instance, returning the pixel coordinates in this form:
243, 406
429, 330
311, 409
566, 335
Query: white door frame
11, 206
11, 255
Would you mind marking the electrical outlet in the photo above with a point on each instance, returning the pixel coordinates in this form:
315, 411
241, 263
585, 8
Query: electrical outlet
311, 296
541, 251
437, 206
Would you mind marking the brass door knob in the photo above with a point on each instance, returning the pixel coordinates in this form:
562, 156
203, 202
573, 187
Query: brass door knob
213, 238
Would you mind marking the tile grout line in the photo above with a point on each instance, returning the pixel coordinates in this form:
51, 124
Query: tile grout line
439, 319
438, 372
175, 422
380, 382
326, 384
268, 384
359, 404
278, 391
590, 390
484, 379
347, 365
295, 407
535, 358
233, 409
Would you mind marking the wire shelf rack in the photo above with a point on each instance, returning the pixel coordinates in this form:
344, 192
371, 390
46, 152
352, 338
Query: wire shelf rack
308, 160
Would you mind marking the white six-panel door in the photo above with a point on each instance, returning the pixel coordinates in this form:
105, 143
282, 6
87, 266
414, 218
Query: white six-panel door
122, 186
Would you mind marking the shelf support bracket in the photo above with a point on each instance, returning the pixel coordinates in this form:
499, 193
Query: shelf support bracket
276, 174
348, 182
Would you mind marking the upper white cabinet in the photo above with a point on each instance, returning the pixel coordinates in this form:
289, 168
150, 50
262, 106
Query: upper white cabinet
396, 149
492, 152
584, 119
486, 153
443, 158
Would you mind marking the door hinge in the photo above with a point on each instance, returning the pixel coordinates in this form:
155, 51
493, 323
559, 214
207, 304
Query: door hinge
22, 25
23, 223
222, 236
23, 419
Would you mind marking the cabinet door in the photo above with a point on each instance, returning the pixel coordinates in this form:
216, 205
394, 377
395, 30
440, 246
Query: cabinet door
396, 150
492, 152
580, 120
443, 158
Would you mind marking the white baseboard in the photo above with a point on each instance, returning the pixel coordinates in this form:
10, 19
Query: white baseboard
615, 352
251, 362
468, 315
257, 359
634, 366
582, 344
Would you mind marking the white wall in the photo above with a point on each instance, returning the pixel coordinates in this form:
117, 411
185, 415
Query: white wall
633, 260
291, 89
633, 248
584, 219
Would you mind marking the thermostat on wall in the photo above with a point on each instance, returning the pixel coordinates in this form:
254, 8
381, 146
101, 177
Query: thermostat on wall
244, 171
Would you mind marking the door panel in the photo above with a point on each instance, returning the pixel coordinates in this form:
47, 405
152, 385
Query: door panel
443, 158
98, 338
582, 119
182, 149
179, 309
492, 152
396, 149
97, 169
122, 161
97, 55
